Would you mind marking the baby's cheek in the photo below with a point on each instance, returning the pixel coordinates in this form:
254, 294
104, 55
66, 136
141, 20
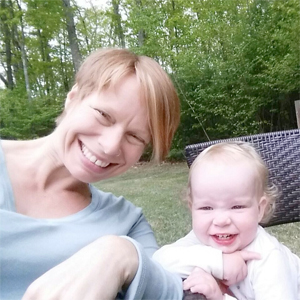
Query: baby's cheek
200, 229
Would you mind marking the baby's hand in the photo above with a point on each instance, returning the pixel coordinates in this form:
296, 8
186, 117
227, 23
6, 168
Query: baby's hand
203, 283
235, 267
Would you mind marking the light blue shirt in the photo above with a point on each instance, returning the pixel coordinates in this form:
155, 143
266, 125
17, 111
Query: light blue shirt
29, 247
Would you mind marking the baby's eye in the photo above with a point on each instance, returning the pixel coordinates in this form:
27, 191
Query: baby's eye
238, 207
205, 208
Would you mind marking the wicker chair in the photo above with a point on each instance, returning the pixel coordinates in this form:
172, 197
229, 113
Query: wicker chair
281, 152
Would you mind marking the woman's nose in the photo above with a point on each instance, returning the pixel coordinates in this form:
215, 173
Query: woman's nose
111, 141
221, 219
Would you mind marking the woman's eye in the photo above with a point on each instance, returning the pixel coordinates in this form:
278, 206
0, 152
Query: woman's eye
104, 117
135, 139
100, 112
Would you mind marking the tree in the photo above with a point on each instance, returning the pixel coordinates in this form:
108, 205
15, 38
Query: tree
8, 80
235, 63
76, 56
117, 23
23, 50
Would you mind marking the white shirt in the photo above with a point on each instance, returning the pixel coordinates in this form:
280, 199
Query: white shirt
276, 276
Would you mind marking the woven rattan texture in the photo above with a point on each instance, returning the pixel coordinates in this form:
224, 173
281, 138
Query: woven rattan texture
188, 295
281, 152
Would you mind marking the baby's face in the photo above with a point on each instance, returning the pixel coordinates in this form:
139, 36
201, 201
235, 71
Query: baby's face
226, 204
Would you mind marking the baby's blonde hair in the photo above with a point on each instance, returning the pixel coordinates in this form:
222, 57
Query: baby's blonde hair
235, 151
105, 67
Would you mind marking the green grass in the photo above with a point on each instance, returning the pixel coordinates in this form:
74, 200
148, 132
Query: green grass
160, 190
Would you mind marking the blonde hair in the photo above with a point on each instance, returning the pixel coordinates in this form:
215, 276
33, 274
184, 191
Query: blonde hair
235, 151
105, 67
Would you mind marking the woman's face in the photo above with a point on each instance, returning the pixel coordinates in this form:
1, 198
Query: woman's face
104, 134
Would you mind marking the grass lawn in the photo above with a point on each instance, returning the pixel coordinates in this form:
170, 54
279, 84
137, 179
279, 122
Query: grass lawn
160, 190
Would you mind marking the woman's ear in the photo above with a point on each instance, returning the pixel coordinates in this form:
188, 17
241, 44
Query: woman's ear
262, 204
71, 96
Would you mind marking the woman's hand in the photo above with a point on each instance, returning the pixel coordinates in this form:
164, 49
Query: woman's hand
98, 271
203, 283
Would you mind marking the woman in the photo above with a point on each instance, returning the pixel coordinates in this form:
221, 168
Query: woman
61, 238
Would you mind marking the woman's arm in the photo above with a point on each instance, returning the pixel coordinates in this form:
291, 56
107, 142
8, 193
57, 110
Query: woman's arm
98, 271
109, 266
152, 281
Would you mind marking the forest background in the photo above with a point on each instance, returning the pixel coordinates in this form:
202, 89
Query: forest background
235, 63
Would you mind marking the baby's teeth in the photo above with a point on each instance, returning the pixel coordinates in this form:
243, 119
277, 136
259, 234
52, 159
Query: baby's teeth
223, 236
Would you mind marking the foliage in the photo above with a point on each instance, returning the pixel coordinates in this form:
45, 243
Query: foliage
235, 63
23, 120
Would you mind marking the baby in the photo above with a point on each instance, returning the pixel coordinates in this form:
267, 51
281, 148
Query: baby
229, 195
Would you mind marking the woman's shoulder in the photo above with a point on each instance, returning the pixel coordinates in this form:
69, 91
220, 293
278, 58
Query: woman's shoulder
15, 149
8, 145
109, 201
6, 193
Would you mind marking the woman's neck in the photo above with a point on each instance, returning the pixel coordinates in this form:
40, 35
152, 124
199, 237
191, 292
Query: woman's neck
42, 186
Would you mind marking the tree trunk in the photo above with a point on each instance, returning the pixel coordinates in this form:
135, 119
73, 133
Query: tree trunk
85, 27
16, 48
141, 33
118, 25
76, 56
44, 49
7, 40
23, 54
174, 43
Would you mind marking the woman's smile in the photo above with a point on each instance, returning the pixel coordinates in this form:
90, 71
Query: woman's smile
92, 158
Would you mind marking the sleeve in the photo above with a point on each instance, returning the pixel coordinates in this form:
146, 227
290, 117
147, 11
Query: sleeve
276, 277
227, 297
184, 255
151, 281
